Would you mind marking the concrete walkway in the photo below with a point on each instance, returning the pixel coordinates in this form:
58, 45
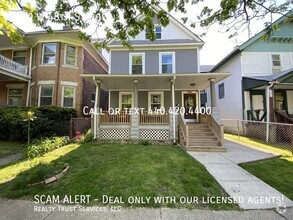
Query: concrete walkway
19, 210
10, 159
251, 192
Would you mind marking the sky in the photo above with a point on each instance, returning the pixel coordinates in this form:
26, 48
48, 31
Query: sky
217, 42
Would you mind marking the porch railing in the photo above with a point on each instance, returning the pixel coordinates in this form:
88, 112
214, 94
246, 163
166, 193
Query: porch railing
283, 117
256, 115
10, 65
146, 118
216, 128
121, 118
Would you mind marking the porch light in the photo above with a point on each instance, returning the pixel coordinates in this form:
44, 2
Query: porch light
192, 84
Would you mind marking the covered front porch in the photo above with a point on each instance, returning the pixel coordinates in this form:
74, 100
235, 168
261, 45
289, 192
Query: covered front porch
269, 98
152, 106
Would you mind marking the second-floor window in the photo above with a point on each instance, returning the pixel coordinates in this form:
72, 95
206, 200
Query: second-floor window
276, 63
137, 63
49, 53
19, 56
158, 33
46, 95
167, 62
70, 55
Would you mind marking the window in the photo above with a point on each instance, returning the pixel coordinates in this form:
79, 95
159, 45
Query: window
49, 53
158, 33
68, 94
276, 63
70, 55
136, 63
19, 56
46, 95
221, 91
167, 62
156, 100
14, 96
125, 100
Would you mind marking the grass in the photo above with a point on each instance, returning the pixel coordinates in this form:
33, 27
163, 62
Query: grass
115, 169
9, 148
276, 172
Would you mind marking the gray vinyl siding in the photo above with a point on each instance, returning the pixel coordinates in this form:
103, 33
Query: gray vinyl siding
143, 99
186, 61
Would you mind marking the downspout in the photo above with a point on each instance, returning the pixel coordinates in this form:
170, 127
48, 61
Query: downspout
95, 108
30, 74
58, 74
271, 84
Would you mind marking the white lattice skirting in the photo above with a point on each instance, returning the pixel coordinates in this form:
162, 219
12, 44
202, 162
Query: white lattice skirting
115, 134
154, 134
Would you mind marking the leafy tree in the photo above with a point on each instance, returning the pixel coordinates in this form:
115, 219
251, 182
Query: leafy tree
130, 17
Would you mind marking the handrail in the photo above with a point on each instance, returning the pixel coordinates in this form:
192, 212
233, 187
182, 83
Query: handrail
184, 128
282, 117
12, 66
216, 128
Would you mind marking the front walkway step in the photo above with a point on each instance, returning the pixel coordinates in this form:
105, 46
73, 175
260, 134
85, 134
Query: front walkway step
206, 148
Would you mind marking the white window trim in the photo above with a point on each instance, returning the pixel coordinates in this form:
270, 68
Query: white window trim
155, 93
68, 83
120, 99
74, 93
173, 61
10, 87
271, 59
65, 51
40, 88
43, 50
130, 61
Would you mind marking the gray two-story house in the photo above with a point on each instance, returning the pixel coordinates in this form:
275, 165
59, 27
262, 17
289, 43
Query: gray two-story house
154, 88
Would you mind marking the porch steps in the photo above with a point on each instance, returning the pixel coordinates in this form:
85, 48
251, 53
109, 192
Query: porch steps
202, 138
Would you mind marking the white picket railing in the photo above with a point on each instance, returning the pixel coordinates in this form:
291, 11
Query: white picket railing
15, 67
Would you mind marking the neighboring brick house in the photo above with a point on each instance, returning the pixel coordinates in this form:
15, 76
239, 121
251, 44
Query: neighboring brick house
45, 70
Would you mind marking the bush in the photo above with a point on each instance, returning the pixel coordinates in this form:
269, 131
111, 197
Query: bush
40, 147
50, 121
80, 138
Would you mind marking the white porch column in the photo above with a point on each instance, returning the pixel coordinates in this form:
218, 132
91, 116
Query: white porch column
173, 117
96, 107
135, 117
213, 93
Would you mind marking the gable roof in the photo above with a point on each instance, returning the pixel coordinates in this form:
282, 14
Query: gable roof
193, 36
250, 41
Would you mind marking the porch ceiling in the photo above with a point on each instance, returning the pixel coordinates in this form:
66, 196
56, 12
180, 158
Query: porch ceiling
156, 81
6, 75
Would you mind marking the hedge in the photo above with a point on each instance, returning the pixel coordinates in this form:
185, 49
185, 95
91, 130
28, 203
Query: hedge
49, 121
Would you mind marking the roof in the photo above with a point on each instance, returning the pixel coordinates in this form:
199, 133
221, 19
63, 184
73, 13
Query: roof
250, 41
257, 81
205, 68
194, 37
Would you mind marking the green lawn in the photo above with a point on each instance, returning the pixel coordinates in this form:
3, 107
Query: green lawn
276, 172
115, 169
8, 148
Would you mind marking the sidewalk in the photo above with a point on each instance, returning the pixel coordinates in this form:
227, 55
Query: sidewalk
239, 183
20, 210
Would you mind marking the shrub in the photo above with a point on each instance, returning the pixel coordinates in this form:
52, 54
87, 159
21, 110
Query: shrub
80, 138
40, 147
50, 121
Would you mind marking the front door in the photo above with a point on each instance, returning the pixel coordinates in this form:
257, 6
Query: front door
189, 103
